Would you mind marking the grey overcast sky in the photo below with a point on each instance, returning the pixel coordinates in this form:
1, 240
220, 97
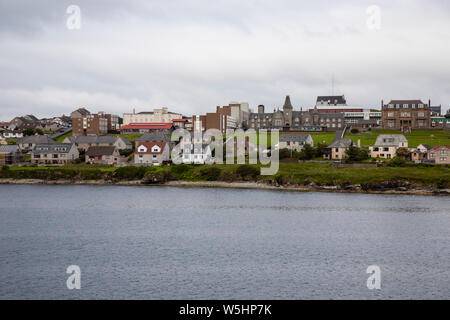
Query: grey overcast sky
192, 55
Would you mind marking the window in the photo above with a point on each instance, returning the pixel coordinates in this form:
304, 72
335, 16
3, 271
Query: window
376, 149
405, 105
443, 159
413, 105
421, 114
390, 114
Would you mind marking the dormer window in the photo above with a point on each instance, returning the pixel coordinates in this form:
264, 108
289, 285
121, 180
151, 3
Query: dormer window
142, 149
405, 105
156, 149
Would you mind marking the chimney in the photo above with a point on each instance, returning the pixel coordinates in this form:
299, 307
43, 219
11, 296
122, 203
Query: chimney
429, 103
359, 143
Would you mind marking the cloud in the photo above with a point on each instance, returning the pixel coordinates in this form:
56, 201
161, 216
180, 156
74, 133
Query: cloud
194, 55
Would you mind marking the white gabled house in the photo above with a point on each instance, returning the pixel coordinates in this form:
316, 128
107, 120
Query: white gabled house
151, 153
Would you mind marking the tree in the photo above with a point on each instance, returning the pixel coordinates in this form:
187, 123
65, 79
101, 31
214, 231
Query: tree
320, 149
355, 154
447, 115
403, 153
307, 153
29, 132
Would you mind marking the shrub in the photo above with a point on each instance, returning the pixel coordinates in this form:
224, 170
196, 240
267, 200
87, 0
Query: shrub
246, 170
354, 130
397, 162
4, 168
180, 168
130, 173
288, 153
307, 153
355, 154
210, 173
126, 152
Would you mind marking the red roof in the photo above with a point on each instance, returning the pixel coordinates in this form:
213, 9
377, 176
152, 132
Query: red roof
149, 145
147, 126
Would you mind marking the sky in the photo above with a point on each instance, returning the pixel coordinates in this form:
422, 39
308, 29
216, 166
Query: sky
193, 55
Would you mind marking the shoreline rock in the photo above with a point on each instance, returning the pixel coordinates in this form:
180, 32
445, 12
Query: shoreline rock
399, 189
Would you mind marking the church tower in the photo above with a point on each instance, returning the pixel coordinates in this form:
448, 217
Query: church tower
287, 112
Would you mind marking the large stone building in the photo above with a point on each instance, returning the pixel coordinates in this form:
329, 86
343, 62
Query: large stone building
288, 119
406, 115
156, 116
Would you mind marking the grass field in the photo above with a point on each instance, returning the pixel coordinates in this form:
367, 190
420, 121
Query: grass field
430, 137
129, 136
60, 139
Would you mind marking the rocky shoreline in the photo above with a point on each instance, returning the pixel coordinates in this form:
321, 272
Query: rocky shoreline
400, 188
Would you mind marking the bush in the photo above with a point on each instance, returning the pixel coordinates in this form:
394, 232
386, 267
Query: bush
180, 168
354, 130
4, 168
288, 154
126, 152
130, 173
307, 153
210, 173
246, 171
355, 154
397, 162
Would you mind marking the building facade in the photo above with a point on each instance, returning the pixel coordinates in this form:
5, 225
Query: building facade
56, 153
439, 154
405, 115
156, 116
386, 145
151, 153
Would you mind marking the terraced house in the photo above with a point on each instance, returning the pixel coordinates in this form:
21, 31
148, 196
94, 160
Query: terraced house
54, 153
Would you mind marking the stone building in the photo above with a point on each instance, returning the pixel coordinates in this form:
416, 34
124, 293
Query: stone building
405, 115
288, 119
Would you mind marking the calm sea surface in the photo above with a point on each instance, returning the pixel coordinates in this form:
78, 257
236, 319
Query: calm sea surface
180, 243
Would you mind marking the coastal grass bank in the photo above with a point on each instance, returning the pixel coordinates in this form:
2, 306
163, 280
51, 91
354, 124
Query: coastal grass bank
307, 174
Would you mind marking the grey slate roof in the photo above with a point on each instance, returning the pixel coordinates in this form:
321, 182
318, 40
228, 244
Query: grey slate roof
341, 143
385, 140
100, 151
52, 148
294, 137
97, 140
9, 149
156, 136
36, 139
